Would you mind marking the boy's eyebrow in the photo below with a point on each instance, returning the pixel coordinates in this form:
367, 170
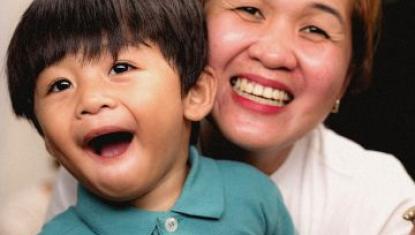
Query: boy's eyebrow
328, 9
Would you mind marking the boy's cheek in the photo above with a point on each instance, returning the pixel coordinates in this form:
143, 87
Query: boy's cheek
35, 122
49, 147
37, 110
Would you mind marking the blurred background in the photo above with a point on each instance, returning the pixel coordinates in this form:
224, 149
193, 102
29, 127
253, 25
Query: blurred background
382, 118
23, 160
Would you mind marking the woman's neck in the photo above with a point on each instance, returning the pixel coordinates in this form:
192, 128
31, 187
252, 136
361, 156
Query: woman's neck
213, 144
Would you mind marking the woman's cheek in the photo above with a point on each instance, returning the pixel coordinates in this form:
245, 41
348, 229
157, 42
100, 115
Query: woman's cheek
227, 39
325, 71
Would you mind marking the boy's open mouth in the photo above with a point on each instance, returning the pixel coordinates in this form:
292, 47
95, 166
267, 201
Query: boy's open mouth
110, 144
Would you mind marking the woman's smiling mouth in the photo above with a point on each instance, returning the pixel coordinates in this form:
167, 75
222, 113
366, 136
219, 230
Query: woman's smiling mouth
259, 93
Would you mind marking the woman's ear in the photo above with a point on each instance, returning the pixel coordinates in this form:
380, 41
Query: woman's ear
199, 100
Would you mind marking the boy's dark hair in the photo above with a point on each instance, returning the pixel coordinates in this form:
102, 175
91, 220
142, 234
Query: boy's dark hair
51, 29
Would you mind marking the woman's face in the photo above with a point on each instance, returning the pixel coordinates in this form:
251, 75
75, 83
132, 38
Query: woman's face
281, 66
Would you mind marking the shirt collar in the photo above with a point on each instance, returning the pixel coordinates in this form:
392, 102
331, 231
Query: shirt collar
201, 197
203, 192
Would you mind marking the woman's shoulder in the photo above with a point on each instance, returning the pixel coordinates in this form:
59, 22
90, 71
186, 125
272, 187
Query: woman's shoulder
348, 157
380, 186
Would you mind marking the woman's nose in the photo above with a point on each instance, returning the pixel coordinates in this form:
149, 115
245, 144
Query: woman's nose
274, 48
94, 98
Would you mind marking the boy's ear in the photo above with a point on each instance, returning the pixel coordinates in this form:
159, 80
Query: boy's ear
199, 99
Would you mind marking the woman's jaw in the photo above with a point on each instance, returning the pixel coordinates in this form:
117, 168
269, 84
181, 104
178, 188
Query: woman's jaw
213, 143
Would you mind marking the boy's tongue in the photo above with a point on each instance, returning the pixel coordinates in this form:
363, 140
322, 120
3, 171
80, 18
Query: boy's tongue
111, 144
114, 149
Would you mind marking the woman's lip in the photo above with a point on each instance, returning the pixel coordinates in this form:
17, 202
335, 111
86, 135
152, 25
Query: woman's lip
255, 106
264, 81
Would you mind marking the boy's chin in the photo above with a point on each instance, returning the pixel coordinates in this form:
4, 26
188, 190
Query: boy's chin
114, 194
125, 199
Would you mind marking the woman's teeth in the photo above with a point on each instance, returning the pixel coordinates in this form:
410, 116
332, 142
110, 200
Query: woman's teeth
259, 93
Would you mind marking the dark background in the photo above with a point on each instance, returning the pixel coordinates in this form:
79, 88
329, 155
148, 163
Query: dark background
383, 117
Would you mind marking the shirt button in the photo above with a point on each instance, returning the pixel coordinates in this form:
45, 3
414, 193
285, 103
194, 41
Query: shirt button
171, 224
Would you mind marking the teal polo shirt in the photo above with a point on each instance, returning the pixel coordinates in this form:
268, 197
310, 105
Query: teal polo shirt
218, 197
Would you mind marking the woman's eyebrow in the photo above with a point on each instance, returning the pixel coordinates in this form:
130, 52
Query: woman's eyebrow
328, 9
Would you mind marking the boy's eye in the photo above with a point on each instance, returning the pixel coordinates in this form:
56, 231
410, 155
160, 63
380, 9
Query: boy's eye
60, 85
248, 11
316, 30
121, 68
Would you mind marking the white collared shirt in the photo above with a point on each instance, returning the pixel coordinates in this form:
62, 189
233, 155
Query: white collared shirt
332, 186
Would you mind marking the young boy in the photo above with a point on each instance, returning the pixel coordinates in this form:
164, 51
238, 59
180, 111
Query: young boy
113, 86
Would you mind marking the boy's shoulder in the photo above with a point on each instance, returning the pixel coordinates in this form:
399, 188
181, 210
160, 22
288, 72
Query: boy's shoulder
67, 222
243, 175
244, 183
252, 201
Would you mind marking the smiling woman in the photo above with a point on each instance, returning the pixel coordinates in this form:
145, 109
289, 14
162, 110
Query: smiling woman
311, 53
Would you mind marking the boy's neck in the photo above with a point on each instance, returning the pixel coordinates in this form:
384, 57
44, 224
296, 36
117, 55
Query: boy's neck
163, 196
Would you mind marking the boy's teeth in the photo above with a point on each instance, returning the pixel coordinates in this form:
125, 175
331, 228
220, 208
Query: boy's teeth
261, 93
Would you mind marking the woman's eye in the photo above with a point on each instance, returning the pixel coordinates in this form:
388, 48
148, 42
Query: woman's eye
316, 30
121, 68
60, 85
252, 11
249, 10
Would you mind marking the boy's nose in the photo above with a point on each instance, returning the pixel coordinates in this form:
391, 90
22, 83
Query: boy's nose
93, 100
274, 48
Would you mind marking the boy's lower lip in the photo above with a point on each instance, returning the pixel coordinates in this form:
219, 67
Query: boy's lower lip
255, 106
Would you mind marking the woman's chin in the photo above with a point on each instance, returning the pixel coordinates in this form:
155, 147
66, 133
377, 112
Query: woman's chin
248, 138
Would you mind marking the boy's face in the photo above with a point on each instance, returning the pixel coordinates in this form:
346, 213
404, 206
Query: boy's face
118, 126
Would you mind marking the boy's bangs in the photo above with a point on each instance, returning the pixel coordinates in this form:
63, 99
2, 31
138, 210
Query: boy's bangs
70, 29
